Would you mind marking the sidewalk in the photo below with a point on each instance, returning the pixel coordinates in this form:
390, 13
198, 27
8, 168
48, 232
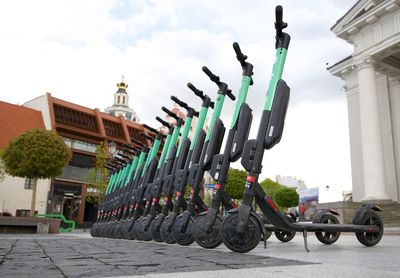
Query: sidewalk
76, 254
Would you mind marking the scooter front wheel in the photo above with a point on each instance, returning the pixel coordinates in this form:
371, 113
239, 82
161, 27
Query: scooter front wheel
366, 238
155, 227
243, 242
328, 237
166, 235
184, 238
203, 237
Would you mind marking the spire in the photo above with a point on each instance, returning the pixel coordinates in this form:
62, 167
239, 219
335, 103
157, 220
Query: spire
120, 106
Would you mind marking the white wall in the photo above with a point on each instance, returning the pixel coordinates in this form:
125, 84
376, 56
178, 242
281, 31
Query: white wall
394, 96
41, 104
14, 196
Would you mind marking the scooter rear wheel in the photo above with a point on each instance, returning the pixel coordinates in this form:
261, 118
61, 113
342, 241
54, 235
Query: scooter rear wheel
286, 236
183, 238
366, 238
328, 237
244, 242
205, 239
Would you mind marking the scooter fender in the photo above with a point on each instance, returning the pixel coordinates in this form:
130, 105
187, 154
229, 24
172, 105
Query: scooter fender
317, 218
193, 173
257, 217
361, 211
278, 114
241, 132
248, 154
214, 144
216, 166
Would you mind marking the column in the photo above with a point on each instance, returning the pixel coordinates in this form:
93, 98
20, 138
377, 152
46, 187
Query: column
373, 165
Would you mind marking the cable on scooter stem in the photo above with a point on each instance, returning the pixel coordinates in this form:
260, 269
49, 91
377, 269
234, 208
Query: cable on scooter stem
200, 94
223, 86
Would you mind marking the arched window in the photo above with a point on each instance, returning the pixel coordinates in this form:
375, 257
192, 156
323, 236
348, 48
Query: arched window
123, 100
118, 99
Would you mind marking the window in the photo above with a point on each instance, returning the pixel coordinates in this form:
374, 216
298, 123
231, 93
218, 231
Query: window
80, 145
28, 183
118, 100
24, 212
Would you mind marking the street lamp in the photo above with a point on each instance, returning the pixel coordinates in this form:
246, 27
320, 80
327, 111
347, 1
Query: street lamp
112, 148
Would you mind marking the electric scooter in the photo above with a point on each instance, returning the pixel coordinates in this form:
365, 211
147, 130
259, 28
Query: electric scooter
180, 174
207, 227
197, 170
154, 190
172, 149
242, 227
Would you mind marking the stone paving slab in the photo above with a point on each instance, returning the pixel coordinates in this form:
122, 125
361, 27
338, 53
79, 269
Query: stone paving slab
60, 256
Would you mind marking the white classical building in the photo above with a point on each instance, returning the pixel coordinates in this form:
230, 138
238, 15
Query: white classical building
372, 76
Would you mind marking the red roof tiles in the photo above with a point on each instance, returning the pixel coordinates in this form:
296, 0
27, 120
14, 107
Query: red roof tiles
15, 120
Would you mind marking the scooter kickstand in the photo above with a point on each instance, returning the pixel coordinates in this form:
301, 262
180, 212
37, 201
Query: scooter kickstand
265, 240
305, 241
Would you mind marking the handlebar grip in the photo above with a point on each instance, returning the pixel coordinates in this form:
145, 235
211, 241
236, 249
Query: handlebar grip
196, 113
212, 76
179, 102
278, 15
147, 136
129, 146
164, 123
196, 91
230, 95
150, 128
239, 54
123, 155
139, 143
169, 112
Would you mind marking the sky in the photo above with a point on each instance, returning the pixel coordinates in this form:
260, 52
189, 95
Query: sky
79, 50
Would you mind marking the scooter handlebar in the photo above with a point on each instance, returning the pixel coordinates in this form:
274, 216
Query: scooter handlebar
150, 128
230, 95
199, 93
139, 143
180, 103
147, 136
214, 78
164, 123
169, 112
239, 54
279, 24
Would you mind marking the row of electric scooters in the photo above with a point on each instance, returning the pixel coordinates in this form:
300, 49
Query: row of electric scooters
145, 198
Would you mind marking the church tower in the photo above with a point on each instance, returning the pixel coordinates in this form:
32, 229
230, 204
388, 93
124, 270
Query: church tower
120, 106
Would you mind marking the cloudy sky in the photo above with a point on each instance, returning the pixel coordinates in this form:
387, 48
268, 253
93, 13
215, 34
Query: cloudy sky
78, 51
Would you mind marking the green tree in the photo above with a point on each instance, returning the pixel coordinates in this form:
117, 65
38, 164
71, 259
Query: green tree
98, 176
235, 184
36, 154
270, 187
287, 197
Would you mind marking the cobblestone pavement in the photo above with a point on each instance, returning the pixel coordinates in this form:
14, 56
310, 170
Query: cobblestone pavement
66, 256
